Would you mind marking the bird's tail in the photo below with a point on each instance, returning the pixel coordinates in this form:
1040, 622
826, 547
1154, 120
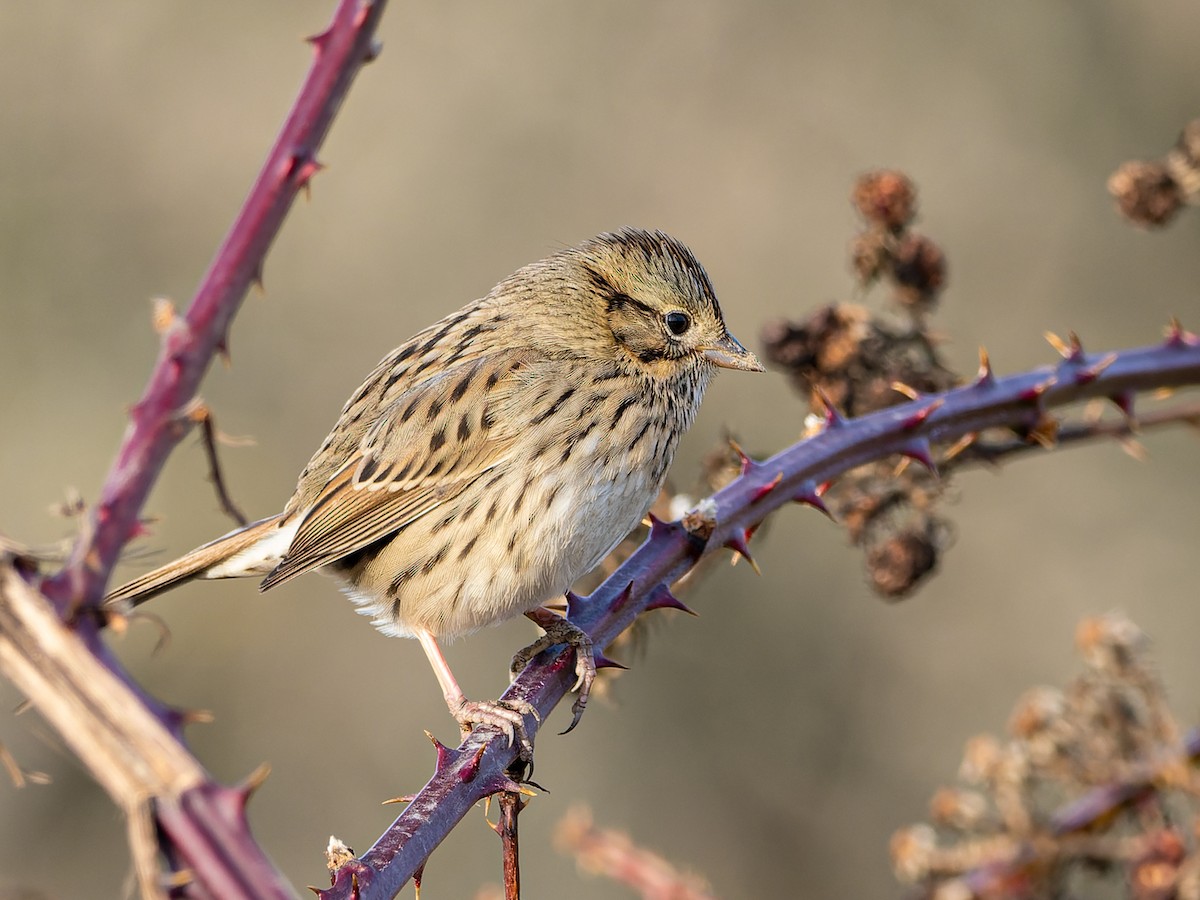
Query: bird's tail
253, 549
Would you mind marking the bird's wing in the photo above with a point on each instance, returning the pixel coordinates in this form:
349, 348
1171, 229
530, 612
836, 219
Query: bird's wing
429, 444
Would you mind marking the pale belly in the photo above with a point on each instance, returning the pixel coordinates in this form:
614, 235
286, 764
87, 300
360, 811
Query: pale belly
473, 572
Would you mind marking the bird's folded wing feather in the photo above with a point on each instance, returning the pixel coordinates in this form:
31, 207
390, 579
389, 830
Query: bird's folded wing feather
430, 443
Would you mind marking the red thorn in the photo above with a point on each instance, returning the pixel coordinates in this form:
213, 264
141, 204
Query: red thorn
1075, 354
986, 377
445, 756
302, 169
659, 527
810, 495
603, 662
918, 451
738, 544
373, 51
575, 604
1092, 372
833, 419
140, 529
622, 598
1178, 337
251, 783
662, 598
765, 489
418, 875
256, 279
320, 40
1124, 401
222, 349
1034, 394
917, 418
744, 460
468, 772
499, 784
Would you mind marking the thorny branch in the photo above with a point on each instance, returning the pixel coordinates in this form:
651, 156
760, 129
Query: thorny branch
201, 824
477, 768
189, 342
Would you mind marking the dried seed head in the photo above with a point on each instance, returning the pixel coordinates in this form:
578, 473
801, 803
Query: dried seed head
1038, 710
869, 256
1183, 162
1110, 643
919, 267
885, 197
899, 563
1145, 192
958, 808
913, 850
982, 760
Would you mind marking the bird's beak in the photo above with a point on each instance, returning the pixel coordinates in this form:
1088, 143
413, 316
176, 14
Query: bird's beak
729, 354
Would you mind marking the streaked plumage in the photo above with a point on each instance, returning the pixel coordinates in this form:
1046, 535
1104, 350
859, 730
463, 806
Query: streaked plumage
498, 455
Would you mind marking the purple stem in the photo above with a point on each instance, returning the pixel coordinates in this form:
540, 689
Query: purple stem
189, 344
477, 768
205, 828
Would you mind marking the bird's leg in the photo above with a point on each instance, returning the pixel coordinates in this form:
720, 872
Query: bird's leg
507, 715
560, 631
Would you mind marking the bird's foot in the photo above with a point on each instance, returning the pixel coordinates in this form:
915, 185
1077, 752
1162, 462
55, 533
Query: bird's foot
506, 715
560, 631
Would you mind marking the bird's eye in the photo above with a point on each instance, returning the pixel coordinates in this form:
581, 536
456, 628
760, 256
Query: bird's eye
678, 322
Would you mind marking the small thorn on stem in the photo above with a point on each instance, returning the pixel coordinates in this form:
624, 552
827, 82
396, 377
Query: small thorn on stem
604, 662
810, 495
1177, 336
1070, 349
302, 170
762, 490
319, 41
253, 782
662, 598
1091, 373
659, 527
622, 598
918, 418
960, 445
919, 451
445, 756
1034, 394
575, 604
739, 544
1124, 401
833, 419
744, 460
986, 377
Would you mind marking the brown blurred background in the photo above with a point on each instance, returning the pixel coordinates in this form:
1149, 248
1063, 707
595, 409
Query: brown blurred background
774, 743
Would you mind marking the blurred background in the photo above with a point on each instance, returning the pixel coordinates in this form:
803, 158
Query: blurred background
773, 744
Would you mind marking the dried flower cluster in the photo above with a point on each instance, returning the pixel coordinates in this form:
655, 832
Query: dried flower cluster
1094, 782
612, 854
1151, 192
859, 361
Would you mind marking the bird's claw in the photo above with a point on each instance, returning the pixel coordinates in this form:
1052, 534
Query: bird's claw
506, 715
560, 631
